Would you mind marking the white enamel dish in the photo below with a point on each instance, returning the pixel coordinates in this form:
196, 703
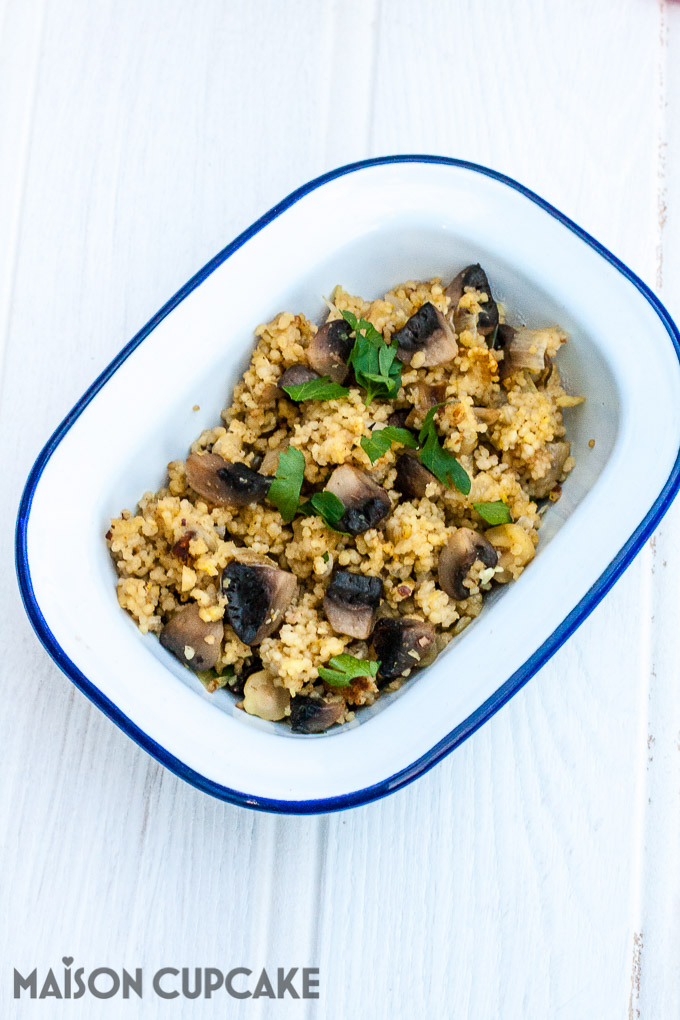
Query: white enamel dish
366, 226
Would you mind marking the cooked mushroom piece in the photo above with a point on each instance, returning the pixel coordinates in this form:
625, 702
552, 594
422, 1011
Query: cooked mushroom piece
523, 349
427, 331
190, 639
413, 477
474, 276
258, 595
539, 488
398, 418
330, 348
462, 550
295, 376
223, 483
502, 338
366, 502
312, 714
261, 697
351, 602
428, 395
400, 645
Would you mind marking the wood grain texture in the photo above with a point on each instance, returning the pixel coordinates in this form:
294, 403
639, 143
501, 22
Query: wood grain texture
531, 875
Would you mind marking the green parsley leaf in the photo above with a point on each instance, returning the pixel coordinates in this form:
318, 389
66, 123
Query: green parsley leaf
284, 492
494, 513
439, 461
345, 668
380, 440
325, 557
316, 389
326, 505
375, 363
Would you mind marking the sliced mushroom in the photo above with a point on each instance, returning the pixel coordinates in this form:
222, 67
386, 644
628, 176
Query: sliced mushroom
351, 602
330, 348
428, 395
223, 483
261, 697
474, 276
503, 336
314, 714
427, 331
400, 645
295, 376
462, 550
539, 488
193, 641
398, 418
412, 477
529, 349
258, 594
366, 502
515, 549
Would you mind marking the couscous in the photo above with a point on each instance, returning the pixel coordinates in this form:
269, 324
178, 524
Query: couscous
372, 480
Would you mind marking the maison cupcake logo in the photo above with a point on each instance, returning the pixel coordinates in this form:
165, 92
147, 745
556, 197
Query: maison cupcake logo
71, 982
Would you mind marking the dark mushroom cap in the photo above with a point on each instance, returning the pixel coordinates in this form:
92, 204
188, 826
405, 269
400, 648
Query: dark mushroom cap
400, 645
351, 601
539, 488
398, 418
310, 714
463, 549
294, 376
503, 337
258, 595
366, 502
330, 348
474, 276
184, 635
223, 483
428, 331
413, 477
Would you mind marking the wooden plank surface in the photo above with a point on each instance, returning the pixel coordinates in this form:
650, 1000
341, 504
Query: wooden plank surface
534, 874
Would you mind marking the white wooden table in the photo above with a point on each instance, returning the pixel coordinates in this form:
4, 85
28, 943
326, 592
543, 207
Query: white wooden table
536, 872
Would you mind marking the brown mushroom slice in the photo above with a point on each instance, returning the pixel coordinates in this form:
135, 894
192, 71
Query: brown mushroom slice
366, 503
314, 714
257, 594
224, 483
351, 601
400, 645
398, 418
330, 348
529, 349
539, 488
413, 477
475, 277
427, 331
428, 395
462, 550
191, 640
295, 376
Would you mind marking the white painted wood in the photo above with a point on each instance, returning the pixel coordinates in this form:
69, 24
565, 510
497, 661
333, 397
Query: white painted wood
534, 873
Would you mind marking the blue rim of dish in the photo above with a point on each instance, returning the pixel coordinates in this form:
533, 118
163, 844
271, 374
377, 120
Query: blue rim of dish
504, 692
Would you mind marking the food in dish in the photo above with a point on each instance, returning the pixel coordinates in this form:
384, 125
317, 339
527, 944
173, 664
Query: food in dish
372, 480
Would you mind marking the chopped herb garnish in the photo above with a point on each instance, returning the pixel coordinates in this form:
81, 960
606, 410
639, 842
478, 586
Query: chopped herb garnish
284, 492
375, 363
380, 440
345, 668
494, 513
325, 557
316, 389
439, 461
326, 505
